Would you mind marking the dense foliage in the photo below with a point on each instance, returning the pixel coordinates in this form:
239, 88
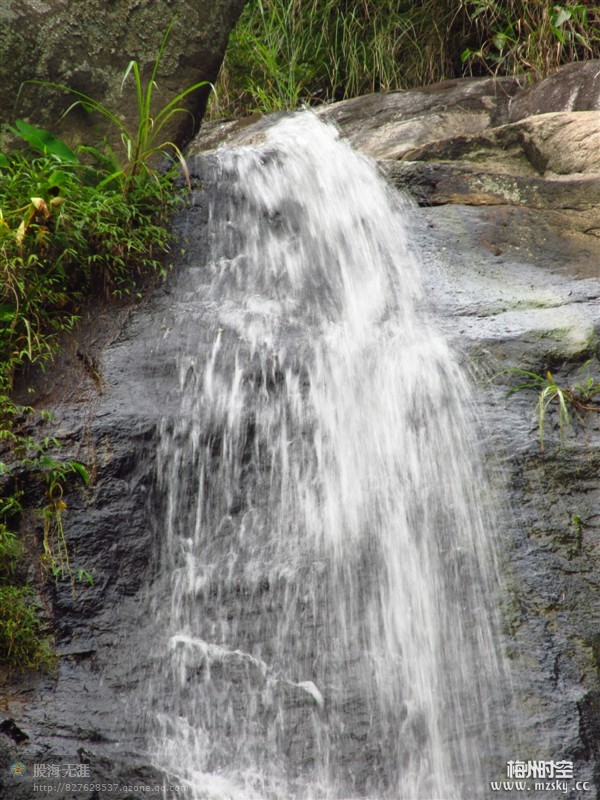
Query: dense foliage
286, 52
65, 228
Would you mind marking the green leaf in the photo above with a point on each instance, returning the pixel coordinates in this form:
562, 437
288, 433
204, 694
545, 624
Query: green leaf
7, 312
80, 470
44, 141
4, 160
500, 40
57, 179
85, 577
563, 15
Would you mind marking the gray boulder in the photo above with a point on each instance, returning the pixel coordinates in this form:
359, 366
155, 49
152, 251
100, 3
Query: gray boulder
575, 87
87, 46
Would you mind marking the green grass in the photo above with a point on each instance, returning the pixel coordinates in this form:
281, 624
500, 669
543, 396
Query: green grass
24, 642
533, 36
284, 53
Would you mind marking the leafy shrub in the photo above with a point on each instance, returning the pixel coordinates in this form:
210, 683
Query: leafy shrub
10, 551
531, 35
66, 227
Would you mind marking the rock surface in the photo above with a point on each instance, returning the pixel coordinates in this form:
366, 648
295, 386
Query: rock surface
575, 87
87, 46
507, 223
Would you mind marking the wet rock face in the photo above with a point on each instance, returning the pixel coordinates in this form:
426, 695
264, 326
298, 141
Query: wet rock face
87, 46
509, 236
77, 716
501, 282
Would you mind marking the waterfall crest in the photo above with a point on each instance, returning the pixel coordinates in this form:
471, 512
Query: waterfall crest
323, 603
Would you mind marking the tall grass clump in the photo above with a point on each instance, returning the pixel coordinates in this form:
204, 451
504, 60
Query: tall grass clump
532, 36
142, 140
287, 52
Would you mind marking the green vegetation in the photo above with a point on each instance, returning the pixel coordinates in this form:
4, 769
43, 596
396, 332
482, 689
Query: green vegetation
23, 642
68, 228
72, 225
141, 143
56, 552
533, 36
65, 230
581, 397
287, 52
22, 639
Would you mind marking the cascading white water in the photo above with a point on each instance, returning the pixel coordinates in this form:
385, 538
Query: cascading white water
322, 599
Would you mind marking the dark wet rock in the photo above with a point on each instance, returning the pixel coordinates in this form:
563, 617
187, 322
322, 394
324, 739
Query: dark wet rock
9, 728
515, 291
87, 46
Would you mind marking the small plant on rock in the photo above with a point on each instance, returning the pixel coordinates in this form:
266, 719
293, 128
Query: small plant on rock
24, 642
579, 398
142, 142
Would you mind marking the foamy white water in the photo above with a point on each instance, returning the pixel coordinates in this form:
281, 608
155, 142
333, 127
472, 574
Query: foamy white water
324, 599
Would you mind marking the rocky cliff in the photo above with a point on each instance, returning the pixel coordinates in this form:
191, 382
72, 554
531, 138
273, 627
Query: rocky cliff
506, 184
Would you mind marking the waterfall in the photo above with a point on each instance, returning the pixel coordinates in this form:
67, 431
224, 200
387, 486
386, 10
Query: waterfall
323, 602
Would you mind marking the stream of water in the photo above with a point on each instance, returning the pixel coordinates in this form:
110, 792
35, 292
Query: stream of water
324, 596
